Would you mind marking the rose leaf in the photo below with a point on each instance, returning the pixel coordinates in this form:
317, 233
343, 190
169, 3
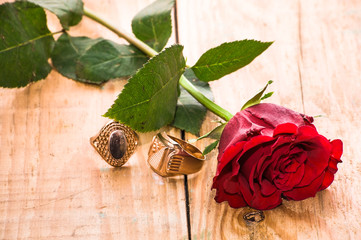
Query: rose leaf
256, 99
267, 95
69, 12
190, 113
153, 24
67, 51
210, 147
215, 133
25, 44
148, 101
95, 60
106, 60
227, 58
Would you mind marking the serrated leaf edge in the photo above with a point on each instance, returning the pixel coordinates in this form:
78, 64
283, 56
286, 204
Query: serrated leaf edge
109, 115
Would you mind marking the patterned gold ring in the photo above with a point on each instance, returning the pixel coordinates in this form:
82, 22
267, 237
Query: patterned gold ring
170, 156
115, 142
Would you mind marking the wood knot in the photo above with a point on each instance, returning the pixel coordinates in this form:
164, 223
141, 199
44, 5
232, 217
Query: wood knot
254, 217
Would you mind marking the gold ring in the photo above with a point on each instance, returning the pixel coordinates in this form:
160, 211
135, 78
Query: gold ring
115, 142
170, 156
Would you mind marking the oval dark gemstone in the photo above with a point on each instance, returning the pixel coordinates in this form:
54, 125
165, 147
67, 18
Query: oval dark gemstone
117, 144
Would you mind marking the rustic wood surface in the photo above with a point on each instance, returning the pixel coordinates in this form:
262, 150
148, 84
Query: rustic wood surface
53, 185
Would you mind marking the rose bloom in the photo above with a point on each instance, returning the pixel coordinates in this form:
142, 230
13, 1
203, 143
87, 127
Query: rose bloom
268, 152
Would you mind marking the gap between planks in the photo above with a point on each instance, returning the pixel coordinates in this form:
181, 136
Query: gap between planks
186, 189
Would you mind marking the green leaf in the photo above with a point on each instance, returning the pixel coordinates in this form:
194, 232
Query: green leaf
227, 58
106, 60
190, 113
69, 12
153, 24
215, 133
95, 60
67, 51
148, 101
267, 95
25, 44
210, 147
258, 97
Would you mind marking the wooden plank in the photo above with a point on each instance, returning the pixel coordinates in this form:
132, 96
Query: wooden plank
53, 185
313, 61
330, 73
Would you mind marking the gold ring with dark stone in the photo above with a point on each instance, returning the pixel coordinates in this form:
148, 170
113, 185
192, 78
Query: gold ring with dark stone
115, 142
171, 156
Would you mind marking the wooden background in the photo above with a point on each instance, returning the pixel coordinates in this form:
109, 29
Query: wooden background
53, 185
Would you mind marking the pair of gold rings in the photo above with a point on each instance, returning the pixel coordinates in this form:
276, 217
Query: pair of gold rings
167, 156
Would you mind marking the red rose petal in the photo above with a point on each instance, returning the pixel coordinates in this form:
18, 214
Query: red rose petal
281, 180
219, 179
292, 167
308, 176
282, 142
337, 148
318, 152
236, 163
264, 170
278, 157
307, 119
262, 118
256, 142
300, 157
306, 132
267, 188
235, 131
245, 190
248, 159
306, 191
286, 128
218, 183
231, 185
261, 202
296, 150
250, 165
272, 114
292, 180
229, 154
279, 148
283, 162
236, 201
267, 149
332, 165
327, 180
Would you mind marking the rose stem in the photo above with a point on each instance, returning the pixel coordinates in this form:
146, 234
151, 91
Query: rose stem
183, 81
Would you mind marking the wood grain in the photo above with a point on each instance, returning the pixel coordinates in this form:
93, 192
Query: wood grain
315, 63
54, 185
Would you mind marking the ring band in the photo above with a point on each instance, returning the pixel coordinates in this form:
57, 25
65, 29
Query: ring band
171, 156
115, 143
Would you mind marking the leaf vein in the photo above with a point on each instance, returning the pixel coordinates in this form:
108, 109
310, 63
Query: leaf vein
219, 63
27, 42
149, 99
117, 58
156, 42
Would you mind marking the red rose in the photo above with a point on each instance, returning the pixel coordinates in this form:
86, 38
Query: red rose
268, 152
